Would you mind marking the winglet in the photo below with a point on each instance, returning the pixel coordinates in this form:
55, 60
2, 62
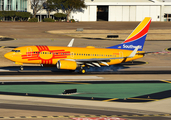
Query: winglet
71, 43
134, 52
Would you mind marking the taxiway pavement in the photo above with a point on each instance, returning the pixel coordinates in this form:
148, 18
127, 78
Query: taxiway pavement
157, 67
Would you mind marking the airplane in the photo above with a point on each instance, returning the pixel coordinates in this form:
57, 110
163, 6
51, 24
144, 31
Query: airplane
71, 58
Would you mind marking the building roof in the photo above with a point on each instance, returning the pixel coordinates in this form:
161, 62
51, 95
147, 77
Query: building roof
128, 2
147, 1
164, 0
118, 1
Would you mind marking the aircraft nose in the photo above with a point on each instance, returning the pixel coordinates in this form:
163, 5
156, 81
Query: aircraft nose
8, 55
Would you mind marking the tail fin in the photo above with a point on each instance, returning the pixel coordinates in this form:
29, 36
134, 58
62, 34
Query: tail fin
136, 38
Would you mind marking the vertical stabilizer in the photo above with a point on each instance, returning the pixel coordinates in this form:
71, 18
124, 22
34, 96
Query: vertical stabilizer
136, 38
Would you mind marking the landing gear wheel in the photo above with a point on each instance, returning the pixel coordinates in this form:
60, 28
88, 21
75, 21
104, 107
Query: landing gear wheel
21, 68
83, 71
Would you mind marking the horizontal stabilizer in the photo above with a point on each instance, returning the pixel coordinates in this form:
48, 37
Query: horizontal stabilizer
134, 52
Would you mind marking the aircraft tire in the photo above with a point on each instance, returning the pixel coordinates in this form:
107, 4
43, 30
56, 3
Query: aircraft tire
82, 71
21, 68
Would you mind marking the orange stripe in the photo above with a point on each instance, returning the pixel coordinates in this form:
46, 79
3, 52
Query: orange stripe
140, 27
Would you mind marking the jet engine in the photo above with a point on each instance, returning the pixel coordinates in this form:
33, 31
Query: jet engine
66, 64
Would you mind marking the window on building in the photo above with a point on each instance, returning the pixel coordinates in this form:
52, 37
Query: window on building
9, 5
16, 5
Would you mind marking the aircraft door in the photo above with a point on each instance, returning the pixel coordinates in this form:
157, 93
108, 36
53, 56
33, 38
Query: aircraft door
120, 55
29, 52
72, 54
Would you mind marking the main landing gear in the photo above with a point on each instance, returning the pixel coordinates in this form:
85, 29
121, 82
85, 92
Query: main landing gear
82, 71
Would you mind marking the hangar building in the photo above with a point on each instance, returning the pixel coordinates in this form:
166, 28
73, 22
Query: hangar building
124, 10
104, 10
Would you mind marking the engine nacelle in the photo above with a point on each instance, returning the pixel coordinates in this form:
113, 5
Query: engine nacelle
66, 64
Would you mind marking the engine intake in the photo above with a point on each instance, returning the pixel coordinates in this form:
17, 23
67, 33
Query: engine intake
66, 64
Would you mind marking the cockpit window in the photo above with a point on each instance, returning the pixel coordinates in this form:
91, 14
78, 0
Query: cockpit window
15, 51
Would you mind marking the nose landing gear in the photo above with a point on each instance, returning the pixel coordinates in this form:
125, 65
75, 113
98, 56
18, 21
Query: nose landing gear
21, 68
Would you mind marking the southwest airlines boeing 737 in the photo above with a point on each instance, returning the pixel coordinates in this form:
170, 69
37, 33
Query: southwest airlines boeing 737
70, 58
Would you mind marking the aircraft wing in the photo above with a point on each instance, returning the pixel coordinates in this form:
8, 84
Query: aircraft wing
97, 61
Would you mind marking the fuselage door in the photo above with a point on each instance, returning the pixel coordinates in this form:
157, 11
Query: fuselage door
72, 54
29, 52
120, 55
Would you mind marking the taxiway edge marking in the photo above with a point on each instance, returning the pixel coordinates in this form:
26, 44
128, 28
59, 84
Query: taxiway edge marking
166, 81
85, 116
110, 99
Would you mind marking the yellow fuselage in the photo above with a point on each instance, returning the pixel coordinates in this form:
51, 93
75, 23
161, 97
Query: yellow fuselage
51, 54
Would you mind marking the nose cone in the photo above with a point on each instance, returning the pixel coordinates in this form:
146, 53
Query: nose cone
8, 55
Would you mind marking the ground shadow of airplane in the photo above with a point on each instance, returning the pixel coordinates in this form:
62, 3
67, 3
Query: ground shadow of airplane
113, 69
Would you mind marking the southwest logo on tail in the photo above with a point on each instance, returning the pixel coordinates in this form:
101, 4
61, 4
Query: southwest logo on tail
72, 58
136, 38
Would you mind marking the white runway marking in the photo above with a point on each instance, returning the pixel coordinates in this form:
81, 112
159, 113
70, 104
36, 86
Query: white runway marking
52, 78
2, 70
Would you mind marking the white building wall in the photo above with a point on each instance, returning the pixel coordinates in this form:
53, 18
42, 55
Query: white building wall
139, 11
85, 15
122, 13
122, 10
125, 13
93, 13
112, 15
167, 9
118, 13
81, 15
132, 13
76, 16
148, 11
155, 12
